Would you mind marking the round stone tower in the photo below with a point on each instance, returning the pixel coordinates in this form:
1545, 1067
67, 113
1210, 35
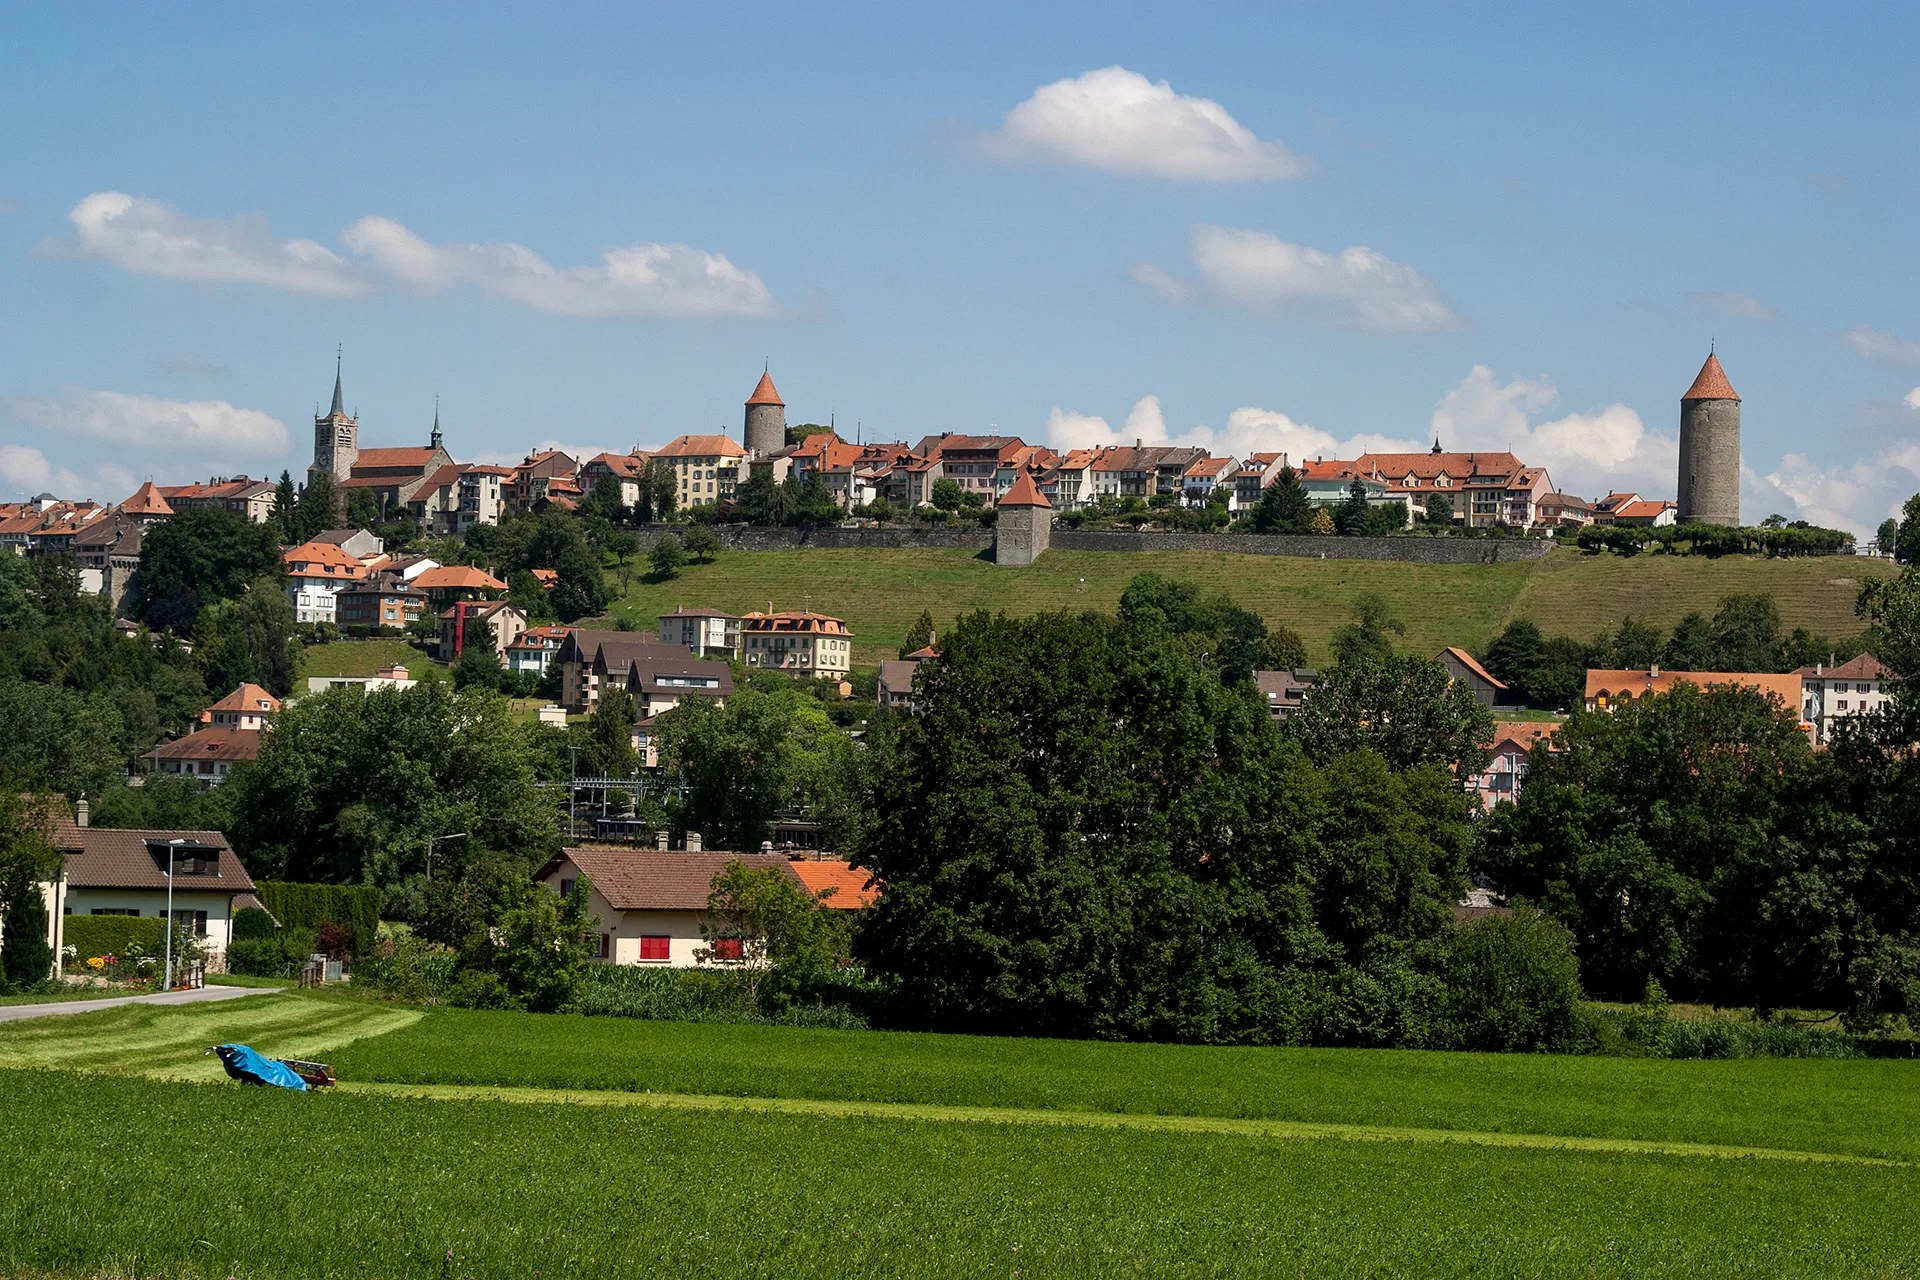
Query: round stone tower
766, 426
1710, 449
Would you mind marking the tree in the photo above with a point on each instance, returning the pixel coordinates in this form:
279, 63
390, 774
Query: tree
778, 936
350, 784
604, 500
1439, 509
363, 510
199, 557
527, 594
607, 742
947, 494
1514, 653
1322, 524
535, 956
1283, 506
286, 509
477, 667
1282, 650
701, 543
1635, 646
1744, 634
666, 557
659, 491
1351, 518
761, 499
1365, 639
1906, 542
1887, 537
919, 635
251, 640
621, 544
1405, 708
27, 859
319, 506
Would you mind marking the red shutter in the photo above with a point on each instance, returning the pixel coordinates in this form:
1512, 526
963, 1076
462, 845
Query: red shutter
656, 947
726, 949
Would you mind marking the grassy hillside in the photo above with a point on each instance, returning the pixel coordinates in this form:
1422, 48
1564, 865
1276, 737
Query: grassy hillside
361, 658
775, 1151
881, 592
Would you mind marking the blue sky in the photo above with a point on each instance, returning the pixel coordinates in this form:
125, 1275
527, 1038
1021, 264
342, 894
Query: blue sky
1317, 228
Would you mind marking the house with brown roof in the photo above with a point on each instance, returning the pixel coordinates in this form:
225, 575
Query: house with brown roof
126, 873
651, 904
1506, 771
1564, 511
628, 470
385, 602
396, 476
588, 658
799, 642
1250, 479
1488, 690
1828, 695
896, 689
146, 505
240, 495
1485, 489
1284, 692
457, 621
1632, 509
535, 648
230, 733
108, 551
316, 573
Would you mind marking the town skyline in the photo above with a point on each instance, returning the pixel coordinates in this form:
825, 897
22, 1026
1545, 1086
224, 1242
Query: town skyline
1303, 262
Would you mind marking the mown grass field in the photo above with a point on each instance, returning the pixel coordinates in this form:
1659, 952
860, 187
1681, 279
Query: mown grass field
881, 592
361, 658
844, 1153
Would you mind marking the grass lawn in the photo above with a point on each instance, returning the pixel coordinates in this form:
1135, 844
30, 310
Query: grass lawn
881, 592
865, 1153
362, 658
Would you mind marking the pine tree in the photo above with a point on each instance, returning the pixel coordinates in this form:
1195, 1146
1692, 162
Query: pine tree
1322, 523
1351, 519
286, 509
919, 635
317, 503
1284, 507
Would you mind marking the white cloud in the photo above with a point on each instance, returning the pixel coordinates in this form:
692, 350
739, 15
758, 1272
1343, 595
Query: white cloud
1879, 345
150, 422
1732, 302
26, 471
1357, 288
152, 238
648, 279
1584, 453
1913, 399
1248, 430
642, 280
1120, 121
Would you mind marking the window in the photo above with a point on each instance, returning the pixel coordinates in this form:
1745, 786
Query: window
194, 920
566, 888
727, 949
656, 947
1843, 704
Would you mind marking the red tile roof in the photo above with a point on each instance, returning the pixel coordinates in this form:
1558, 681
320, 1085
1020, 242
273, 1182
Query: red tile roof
248, 697
765, 394
218, 742
146, 501
1864, 667
1025, 493
848, 888
700, 446
1711, 383
403, 457
323, 559
796, 620
458, 578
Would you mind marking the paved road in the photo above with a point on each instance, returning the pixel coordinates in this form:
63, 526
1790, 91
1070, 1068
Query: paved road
15, 1012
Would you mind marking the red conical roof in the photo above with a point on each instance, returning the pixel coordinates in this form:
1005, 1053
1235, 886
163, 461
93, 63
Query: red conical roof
146, 501
765, 394
1712, 383
1025, 493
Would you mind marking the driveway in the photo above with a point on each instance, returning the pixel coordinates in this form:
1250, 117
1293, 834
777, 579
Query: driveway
15, 1012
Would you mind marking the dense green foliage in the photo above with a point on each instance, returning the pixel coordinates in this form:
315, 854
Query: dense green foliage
708, 995
27, 859
350, 785
1086, 832
308, 906
1744, 633
200, 557
399, 1186
1785, 539
92, 936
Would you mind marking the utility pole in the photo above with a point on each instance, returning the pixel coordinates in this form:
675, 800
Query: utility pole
166, 975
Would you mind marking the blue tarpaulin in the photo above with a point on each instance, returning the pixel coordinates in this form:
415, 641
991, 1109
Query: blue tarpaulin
249, 1066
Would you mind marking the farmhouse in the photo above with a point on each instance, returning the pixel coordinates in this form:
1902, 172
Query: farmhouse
652, 903
124, 873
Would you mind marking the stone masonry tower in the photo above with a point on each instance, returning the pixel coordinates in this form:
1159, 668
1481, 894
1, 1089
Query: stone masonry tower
336, 437
766, 426
1023, 529
1710, 449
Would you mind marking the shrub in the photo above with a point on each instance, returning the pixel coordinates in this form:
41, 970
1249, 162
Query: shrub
1515, 984
310, 905
279, 955
95, 936
408, 969
251, 923
714, 995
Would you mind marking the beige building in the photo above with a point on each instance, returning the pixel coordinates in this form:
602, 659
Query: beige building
506, 620
1831, 694
125, 873
800, 643
707, 467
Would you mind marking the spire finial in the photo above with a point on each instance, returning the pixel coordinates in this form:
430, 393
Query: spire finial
339, 411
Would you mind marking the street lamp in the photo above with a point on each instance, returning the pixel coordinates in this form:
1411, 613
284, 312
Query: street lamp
430, 843
166, 972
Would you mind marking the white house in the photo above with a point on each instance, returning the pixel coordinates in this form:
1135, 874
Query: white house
1831, 694
124, 873
708, 632
652, 903
316, 573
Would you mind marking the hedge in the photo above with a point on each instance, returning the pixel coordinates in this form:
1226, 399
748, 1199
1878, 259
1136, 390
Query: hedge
307, 906
92, 936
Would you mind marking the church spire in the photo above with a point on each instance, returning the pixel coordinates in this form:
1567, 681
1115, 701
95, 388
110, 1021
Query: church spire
338, 411
435, 442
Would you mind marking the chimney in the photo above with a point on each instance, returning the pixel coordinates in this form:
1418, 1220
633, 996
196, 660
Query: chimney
693, 842
660, 840
80, 812
766, 846
1654, 671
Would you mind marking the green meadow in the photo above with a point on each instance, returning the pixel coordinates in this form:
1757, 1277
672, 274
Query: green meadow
496, 1144
882, 592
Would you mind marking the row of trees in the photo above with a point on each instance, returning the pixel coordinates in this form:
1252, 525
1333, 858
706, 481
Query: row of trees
1744, 633
1776, 538
1284, 507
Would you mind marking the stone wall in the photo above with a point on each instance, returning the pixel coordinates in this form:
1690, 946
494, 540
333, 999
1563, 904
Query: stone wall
1405, 550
